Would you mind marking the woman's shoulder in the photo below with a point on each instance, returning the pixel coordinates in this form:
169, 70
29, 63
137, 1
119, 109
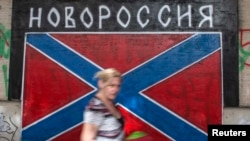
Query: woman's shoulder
95, 104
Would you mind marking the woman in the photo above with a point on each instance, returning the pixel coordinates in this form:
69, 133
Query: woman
102, 120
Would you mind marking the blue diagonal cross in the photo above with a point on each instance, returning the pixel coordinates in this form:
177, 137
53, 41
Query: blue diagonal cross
162, 66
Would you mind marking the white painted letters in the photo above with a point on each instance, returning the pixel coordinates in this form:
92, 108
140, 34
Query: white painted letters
101, 16
90, 15
69, 21
187, 14
57, 16
139, 16
37, 18
124, 16
208, 17
160, 16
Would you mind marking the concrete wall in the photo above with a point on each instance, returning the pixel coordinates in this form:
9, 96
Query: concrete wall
239, 116
244, 52
5, 29
10, 112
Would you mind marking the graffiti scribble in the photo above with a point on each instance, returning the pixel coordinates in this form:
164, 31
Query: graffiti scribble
5, 35
7, 128
244, 51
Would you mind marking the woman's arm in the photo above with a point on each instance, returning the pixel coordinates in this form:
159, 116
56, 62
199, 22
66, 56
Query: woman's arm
89, 132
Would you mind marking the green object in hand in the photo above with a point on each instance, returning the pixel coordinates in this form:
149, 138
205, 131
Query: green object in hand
136, 135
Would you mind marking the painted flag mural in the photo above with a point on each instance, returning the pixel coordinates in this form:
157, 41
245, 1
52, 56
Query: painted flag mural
172, 82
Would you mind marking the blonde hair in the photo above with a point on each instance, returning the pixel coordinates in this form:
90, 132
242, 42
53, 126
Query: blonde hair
106, 74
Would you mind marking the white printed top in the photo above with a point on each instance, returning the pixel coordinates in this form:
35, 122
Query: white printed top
110, 128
